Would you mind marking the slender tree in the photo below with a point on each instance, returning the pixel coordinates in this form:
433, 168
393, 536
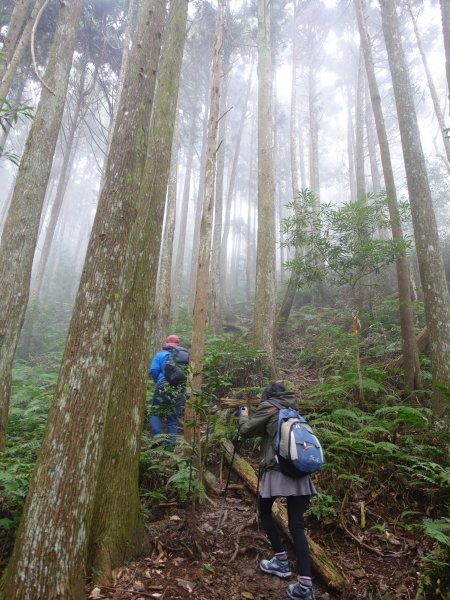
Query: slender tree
59, 507
164, 296
291, 287
16, 46
445, 15
410, 356
429, 255
204, 258
264, 318
433, 92
21, 228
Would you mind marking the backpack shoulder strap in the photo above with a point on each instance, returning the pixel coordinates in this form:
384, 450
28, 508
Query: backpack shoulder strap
275, 403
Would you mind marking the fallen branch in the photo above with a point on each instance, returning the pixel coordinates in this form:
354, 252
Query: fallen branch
320, 559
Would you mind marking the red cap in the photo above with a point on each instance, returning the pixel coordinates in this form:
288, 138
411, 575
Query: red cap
172, 339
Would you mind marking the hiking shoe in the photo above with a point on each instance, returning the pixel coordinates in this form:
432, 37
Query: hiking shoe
299, 591
275, 566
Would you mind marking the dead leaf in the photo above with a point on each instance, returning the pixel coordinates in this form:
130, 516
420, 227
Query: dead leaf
139, 586
247, 596
117, 573
186, 585
359, 573
96, 593
174, 518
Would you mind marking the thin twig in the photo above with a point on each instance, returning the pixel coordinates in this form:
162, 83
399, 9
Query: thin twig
33, 31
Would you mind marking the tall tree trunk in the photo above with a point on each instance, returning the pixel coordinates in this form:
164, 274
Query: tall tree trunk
372, 148
291, 287
117, 532
431, 265
21, 228
12, 63
265, 308
351, 148
63, 180
215, 296
198, 212
230, 194
432, 87
359, 130
178, 270
409, 347
15, 26
201, 289
251, 217
163, 299
445, 14
59, 507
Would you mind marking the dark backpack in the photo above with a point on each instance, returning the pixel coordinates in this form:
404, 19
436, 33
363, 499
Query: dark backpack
297, 450
174, 369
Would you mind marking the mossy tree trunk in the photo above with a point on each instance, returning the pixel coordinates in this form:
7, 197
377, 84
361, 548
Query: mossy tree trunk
49, 556
117, 531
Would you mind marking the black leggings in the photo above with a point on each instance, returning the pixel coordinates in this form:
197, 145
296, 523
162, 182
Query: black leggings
296, 506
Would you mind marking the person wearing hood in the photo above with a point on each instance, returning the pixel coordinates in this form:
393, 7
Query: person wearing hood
274, 484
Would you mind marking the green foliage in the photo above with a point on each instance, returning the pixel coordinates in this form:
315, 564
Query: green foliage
9, 116
322, 507
339, 243
32, 391
165, 473
435, 571
231, 363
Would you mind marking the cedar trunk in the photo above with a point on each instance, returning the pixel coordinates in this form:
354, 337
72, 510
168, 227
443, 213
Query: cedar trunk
410, 354
429, 255
264, 318
117, 532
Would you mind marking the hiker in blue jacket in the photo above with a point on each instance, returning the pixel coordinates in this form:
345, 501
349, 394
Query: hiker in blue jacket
167, 399
275, 484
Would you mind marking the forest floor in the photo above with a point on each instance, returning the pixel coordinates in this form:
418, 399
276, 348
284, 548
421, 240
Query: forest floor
380, 564
178, 567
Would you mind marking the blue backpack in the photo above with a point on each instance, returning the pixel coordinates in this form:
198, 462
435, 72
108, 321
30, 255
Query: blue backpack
297, 449
175, 367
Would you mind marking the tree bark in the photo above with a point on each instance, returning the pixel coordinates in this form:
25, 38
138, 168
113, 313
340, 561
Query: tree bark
51, 545
163, 299
117, 532
12, 63
177, 277
291, 288
432, 87
264, 318
359, 130
215, 296
15, 26
445, 14
410, 355
191, 431
21, 228
431, 265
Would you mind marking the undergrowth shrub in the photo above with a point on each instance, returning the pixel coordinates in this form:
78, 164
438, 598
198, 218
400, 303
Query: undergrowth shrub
31, 394
231, 364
